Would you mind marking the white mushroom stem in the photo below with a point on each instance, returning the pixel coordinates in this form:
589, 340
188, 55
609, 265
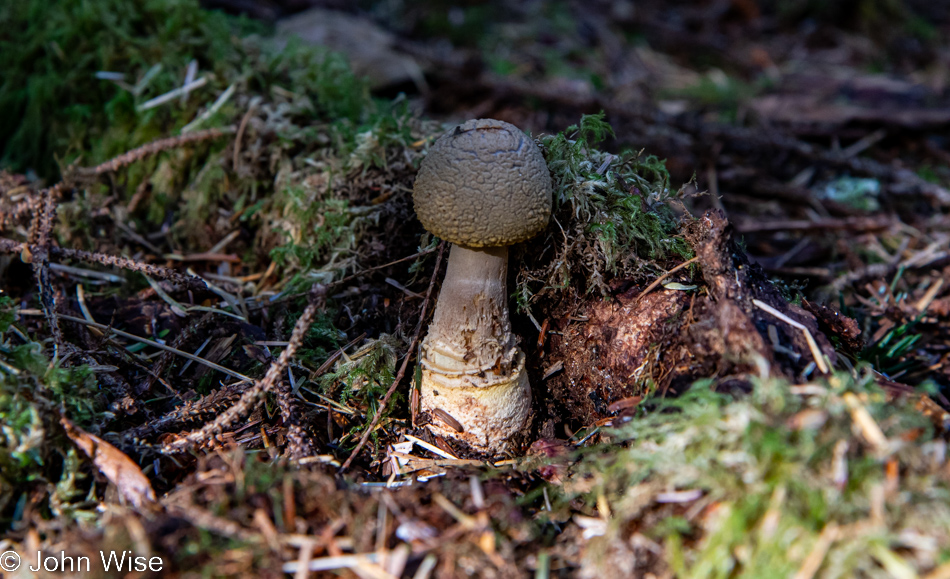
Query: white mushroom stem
472, 368
470, 330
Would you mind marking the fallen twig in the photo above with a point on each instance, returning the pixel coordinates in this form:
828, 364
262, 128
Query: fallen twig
240, 132
187, 281
874, 223
817, 555
866, 424
431, 447
173, 94
40, 229
252, 396
299, 444
190, 411
215, 107
153, 148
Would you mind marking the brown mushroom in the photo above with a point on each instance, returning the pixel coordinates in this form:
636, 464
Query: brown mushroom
483, 186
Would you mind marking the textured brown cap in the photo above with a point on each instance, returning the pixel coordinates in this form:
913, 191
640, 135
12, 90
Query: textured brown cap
483, 184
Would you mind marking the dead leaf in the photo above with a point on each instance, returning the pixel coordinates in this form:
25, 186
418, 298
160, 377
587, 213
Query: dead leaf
112, 462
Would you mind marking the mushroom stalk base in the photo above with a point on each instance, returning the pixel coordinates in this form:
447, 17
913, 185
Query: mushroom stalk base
473, 373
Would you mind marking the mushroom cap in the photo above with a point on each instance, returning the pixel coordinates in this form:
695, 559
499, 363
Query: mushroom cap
483, 184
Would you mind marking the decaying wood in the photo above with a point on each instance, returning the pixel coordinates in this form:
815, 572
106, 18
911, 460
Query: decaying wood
670, 338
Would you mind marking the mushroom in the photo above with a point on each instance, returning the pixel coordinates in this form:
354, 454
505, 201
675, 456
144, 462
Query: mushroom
483, 186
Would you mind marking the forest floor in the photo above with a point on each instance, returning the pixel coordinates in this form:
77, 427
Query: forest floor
737, 324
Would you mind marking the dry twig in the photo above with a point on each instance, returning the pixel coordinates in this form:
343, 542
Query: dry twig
40, 229
213, 403
155, 271
153, 148
812, 345
152, 343
299, 444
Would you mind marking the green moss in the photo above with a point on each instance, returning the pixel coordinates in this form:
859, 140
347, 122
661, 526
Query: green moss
33, 394
611, 213
726, 94
881, 20
322, 339
324, 79
766, 485
365, 376
55, 107
59, 112
314, 227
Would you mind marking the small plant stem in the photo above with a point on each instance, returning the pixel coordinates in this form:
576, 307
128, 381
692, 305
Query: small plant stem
361, 273
405, 363
809, 339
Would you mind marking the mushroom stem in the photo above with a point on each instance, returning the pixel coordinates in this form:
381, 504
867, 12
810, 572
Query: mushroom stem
473, 369
470, 329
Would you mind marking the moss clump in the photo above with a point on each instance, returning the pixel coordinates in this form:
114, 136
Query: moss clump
611, 214
318, 162
33, 393
305, 113
748, 487
54, 105
364, 376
